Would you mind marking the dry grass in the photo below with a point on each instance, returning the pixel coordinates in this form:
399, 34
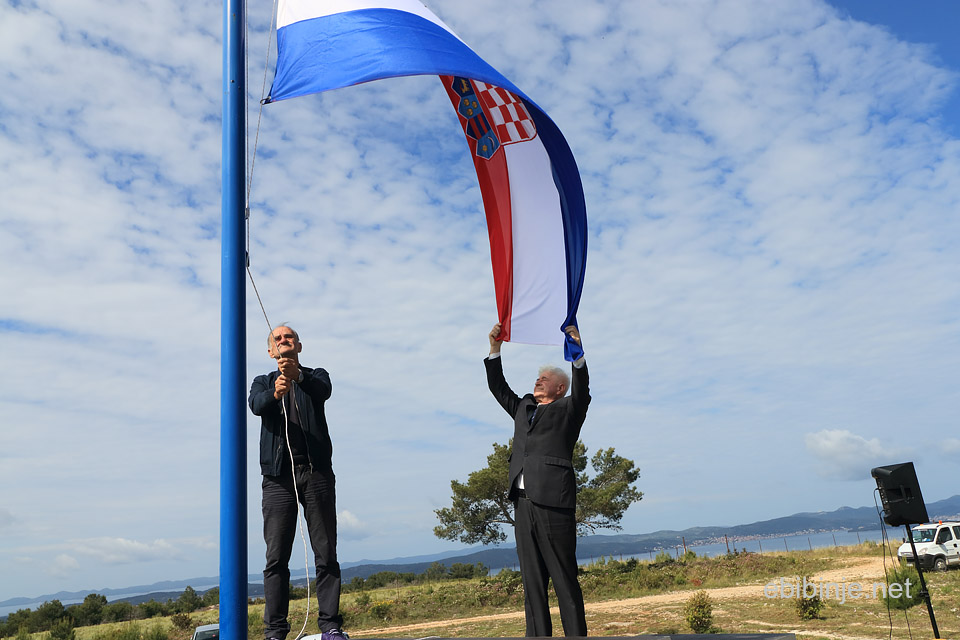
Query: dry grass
740, 606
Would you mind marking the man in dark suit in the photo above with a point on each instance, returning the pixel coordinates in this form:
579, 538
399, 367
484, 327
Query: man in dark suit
543, 486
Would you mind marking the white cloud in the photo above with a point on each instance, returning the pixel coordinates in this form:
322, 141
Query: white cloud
123, 551
847, 456
350, 527
62, 566
951, 446
773, 240
205, 543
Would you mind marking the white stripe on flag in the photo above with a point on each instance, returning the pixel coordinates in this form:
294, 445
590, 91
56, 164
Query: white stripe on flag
292, 11
539, 248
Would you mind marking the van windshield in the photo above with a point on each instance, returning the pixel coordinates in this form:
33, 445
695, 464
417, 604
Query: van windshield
923, 535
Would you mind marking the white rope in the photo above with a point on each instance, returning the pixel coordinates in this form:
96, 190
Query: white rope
263, 91
293, 473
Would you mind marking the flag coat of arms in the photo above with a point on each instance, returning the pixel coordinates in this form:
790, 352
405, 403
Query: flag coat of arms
531, 189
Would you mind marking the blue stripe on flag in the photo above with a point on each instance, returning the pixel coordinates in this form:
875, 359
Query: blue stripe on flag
350, 48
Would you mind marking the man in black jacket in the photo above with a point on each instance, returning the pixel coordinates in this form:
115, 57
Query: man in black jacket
543, 487
296, 462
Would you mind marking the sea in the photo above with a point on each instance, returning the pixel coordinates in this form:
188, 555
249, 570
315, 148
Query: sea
793, 542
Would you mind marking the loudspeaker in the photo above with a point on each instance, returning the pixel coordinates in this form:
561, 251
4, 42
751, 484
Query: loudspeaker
900, 493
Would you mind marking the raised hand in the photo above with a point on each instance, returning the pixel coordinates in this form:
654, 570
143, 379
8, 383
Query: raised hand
495, 342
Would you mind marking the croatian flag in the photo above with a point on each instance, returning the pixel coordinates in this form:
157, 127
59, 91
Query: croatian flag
529, 181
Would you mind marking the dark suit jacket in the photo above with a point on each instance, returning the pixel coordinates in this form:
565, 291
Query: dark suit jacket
543, 450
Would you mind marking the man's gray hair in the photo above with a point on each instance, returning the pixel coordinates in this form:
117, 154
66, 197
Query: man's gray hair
282, 324
558, 372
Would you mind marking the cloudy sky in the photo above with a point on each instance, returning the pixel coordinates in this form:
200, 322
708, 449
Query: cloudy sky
770, 309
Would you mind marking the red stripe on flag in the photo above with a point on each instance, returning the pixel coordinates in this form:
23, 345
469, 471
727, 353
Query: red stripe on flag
495, 190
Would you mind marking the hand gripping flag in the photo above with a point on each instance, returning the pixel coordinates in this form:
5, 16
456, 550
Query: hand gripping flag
529, 181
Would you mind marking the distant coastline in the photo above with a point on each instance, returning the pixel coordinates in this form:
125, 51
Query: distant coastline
846, 523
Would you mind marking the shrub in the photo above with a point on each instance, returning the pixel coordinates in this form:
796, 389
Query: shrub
381, 609
181, 621
127, 632
902, 580
698, 612
509, 580
663, 557
362, 600
62, 629
156, 632
808, 606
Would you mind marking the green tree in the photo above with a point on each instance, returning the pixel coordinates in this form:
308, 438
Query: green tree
17, 621
118, 612
436, 571
480, 506
297, 593
90, 611
463, 571
603, 499
356, 584
152, 609
189, 601
211, 597
46, 615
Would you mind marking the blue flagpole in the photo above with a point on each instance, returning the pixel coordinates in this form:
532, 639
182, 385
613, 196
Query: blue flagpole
233, 456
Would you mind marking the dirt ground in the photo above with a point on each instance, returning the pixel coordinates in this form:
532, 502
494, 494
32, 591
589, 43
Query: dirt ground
857, 571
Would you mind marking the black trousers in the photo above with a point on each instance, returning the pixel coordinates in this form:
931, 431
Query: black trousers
547, 548
318, 496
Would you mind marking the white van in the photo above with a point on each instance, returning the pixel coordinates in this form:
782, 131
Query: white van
938, 545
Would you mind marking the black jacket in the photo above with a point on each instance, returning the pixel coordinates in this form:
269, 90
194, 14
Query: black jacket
543, 450
310, 396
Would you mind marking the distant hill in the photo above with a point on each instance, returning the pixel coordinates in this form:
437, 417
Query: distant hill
595, 546
844, 518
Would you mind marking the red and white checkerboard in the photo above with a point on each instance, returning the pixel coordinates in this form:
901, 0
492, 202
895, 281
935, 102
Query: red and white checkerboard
509, 117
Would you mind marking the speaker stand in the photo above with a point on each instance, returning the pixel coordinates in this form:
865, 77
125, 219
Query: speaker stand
923, 585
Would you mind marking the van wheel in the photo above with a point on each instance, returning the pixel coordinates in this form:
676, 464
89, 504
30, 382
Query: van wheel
940, 564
